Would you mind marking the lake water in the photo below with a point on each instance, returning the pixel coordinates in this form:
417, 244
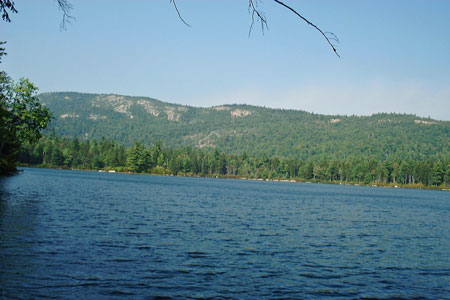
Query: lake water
88, 235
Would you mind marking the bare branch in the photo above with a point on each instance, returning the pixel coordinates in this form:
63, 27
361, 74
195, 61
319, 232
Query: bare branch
65, 7
255, 12
179, 14
329, 36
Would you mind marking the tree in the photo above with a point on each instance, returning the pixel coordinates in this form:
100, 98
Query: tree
438, 173
22, 118
57, 156
139, 159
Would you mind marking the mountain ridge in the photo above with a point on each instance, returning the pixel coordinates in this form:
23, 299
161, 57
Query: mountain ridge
237, 128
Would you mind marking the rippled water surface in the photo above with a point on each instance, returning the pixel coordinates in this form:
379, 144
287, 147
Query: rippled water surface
88, 235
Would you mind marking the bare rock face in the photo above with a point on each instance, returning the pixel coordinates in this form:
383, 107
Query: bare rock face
424, 122
64, 116
149, 107
240, 113
220, 108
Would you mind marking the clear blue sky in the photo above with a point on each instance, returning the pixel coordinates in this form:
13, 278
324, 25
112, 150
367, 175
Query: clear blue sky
395, 55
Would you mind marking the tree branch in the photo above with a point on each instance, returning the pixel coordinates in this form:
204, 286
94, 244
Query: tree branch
2, 50
179, 14
252, 7
65, 7
6, 5
329, 36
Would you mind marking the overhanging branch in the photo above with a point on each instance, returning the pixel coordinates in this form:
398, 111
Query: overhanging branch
259, 16
6, 5
179, 14
252, 8
65, 7
329, 36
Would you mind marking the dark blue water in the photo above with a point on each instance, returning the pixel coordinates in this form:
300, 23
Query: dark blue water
87, 235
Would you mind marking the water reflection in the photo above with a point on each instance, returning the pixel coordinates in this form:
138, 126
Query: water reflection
3, 200
19, 210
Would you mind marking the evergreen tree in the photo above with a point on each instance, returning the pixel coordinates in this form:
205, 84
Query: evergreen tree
438, 173
135, 158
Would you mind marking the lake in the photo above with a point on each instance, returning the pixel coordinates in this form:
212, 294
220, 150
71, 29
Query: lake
88, 235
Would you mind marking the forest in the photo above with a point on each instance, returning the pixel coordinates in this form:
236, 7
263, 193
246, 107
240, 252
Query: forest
71, 153
237, 128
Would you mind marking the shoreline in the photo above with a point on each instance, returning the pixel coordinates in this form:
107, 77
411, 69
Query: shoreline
216, 176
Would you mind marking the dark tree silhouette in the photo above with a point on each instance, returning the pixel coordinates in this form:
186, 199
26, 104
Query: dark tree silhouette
6, 7
2, 50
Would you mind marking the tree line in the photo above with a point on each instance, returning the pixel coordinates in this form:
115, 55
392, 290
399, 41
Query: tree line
104, 154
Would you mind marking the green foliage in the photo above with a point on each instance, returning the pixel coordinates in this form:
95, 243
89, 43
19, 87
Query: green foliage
233, 141
139, 159
104, 154
438, 173
21, 119
242, 128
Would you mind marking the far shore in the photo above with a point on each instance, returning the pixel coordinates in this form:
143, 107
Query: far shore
292, 180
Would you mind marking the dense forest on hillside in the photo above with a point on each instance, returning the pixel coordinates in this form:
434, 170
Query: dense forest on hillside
236, 129
144, 135
54, 151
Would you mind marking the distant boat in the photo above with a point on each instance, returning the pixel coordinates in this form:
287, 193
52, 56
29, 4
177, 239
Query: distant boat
112, 171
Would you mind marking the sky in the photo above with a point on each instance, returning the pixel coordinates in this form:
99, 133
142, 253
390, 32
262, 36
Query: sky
395, 55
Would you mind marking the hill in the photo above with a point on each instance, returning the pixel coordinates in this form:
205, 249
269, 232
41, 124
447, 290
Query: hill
238, 128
